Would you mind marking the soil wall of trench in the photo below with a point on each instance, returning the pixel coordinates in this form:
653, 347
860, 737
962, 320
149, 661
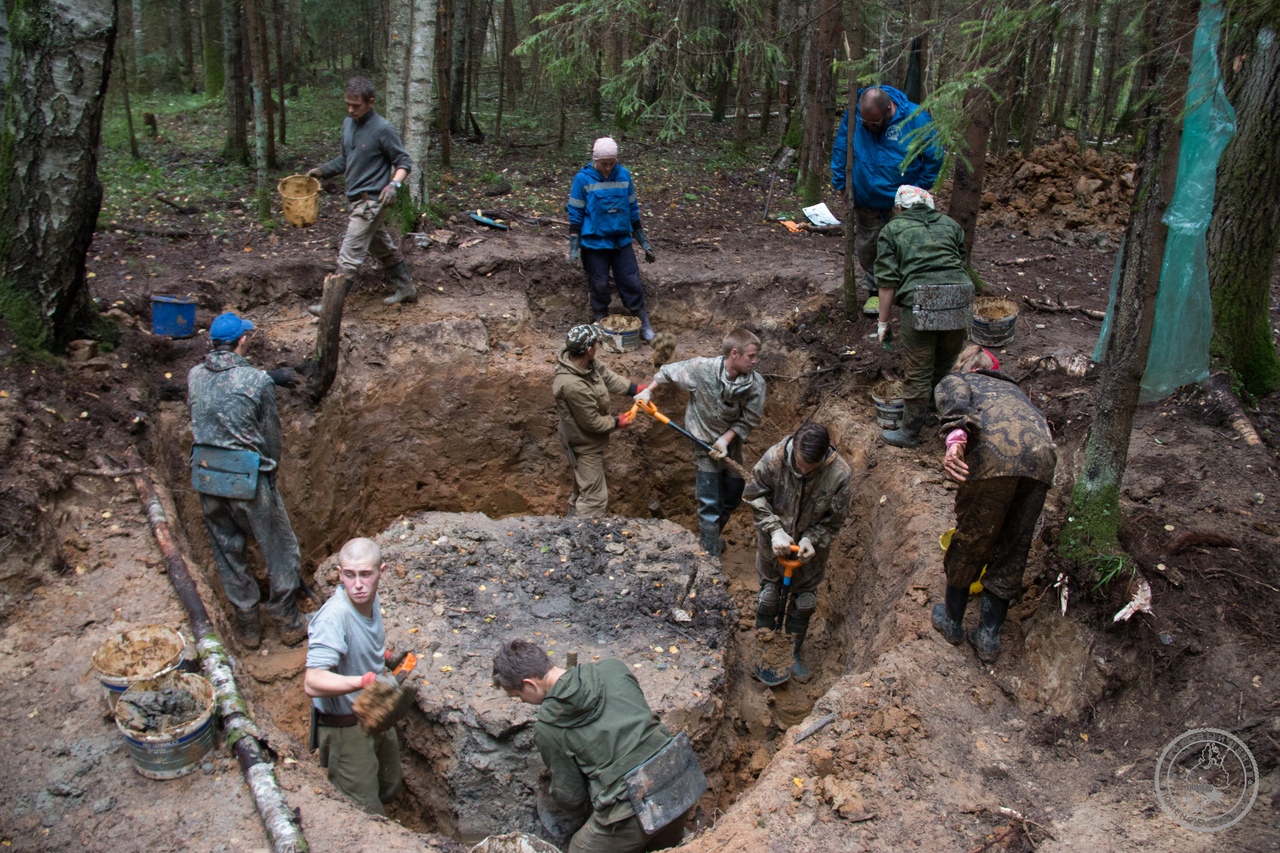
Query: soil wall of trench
449, 410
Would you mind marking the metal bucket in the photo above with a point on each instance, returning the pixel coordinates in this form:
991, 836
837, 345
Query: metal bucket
514, 842
135, 655
173, 316
621, 333
300, 199
174, 752
887, 397
994, 318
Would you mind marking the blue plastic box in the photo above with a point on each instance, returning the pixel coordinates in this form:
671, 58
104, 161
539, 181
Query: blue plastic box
173, 316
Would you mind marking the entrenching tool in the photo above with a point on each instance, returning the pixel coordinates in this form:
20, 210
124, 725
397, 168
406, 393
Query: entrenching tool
773, 677
385, 702
651, 409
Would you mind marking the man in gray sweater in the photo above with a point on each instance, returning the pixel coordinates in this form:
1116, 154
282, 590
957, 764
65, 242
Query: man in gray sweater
375, 164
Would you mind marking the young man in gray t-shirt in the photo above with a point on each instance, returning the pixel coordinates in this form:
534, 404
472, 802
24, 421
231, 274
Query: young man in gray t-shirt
345, 652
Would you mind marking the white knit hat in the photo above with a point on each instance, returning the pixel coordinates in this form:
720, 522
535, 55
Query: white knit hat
604, 149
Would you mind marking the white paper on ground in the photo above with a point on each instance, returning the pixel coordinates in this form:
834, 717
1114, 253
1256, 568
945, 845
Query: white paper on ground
819, 214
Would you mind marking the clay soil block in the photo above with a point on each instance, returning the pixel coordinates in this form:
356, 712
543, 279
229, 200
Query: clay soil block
457, 585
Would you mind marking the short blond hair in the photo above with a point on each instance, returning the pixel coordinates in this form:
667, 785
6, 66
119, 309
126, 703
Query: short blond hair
739, 339
360, 552
972, 357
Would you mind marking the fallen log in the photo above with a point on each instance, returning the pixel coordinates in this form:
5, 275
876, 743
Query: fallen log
1218, 390
246, 741
1017, 262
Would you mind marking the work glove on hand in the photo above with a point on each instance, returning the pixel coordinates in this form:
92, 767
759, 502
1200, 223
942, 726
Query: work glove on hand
637, 231
574, 248
388, 194
806, 549
624, 420
720, 449
646, 395
782, 543
285, 377
882, 332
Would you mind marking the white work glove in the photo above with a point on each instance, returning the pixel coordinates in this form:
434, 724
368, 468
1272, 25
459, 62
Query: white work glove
782, 543
720, 449
645, 396
882, 331
806, 549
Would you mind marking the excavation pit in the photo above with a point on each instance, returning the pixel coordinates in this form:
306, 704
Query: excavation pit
457, 585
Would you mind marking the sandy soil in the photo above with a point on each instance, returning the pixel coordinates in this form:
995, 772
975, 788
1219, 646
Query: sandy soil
443, 406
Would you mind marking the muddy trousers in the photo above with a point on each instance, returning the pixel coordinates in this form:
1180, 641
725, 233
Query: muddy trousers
995, 520
598, 263
867, 223
926, 358
624, 836
367, 234
230, 521
364, 767
590, 495
719, 493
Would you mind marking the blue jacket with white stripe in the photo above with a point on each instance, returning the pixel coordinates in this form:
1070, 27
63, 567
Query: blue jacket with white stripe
603, 210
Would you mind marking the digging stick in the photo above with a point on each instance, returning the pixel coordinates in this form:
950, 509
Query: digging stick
255, 757
731, 464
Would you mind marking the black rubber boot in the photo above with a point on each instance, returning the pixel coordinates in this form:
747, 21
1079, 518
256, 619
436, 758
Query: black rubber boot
646, 331
405, 291
769, 620
798, 628
985, 639
290, 624
948, 618
908, 433
709, 539
249, 626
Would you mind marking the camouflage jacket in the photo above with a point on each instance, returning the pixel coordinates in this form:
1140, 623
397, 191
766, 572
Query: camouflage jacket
233, 407
715, 403
815, 505
582, 401
1008, 436
919, 246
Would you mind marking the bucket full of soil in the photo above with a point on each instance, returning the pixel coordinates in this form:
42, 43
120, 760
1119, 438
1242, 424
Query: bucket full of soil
300, 199
887, 397
621, 333
994, 318
167, 723
136, 655
514, 842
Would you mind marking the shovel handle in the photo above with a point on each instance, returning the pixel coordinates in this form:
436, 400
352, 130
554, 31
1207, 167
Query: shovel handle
406, 666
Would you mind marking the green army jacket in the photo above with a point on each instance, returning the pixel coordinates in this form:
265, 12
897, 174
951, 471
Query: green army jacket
919, 246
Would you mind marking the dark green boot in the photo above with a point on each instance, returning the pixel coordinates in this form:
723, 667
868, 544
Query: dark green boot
709, 539
249, 626
290, 624
908, 432
405, 291
798, 627
985, 639
948, 618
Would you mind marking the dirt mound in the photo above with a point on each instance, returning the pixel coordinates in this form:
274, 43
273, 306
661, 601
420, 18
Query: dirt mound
1079, 189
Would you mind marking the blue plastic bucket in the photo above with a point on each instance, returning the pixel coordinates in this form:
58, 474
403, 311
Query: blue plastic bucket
173, 316
173, 752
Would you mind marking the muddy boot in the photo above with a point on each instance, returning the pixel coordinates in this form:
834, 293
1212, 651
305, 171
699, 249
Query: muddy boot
908, 433
290, 624
985, 639
709, 539
249, 626
798, 627
767, 606
405, 291
948, 618
646, 331
316, 309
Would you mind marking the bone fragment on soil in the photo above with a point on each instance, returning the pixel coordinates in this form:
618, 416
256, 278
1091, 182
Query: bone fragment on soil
603, 588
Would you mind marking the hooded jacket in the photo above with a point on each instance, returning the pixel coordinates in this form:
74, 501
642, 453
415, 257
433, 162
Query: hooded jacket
813, 505
919, 246
233, 407
582, 401
593, 727
603, 210
1008, 436
878, 158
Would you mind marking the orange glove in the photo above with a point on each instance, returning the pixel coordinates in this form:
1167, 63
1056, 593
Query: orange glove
624, 420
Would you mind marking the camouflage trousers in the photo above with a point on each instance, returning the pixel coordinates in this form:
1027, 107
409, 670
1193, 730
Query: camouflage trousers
926, 358
995, 520
230, 521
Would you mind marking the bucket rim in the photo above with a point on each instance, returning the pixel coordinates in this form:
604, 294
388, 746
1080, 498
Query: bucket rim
313, 183
120, 637
174, 299
189, 680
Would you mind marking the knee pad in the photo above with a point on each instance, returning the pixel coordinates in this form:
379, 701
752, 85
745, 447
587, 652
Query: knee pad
805, 604
767, 600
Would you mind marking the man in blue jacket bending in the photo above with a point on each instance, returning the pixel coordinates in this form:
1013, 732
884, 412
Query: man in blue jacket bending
886, 124
604, 215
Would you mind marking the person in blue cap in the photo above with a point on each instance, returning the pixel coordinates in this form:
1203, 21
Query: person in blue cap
235, 428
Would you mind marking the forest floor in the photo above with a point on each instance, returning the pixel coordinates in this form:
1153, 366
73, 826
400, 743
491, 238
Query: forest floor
444, 406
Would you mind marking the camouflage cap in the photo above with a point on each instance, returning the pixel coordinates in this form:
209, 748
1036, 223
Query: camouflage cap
580, 338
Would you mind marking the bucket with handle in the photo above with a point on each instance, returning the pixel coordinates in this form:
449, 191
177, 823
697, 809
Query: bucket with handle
621, 333
136, 655
300, 199
167, 723
994, 319
887, 397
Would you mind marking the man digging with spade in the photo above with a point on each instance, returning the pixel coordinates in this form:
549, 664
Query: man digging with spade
799, 494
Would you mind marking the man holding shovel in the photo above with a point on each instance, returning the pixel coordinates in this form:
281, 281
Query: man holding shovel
581, 388
726, 402
799, 495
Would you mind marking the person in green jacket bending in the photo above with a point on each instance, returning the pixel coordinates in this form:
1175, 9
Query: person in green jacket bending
920, 268
593, 727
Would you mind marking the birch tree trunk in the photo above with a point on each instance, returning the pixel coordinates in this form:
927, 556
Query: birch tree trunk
399, 37
421, 75
135, 13
49, 189
1094, 519
261, 134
